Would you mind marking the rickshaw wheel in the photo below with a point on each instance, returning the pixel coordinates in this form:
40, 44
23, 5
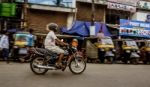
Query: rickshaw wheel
145, 62
134, 61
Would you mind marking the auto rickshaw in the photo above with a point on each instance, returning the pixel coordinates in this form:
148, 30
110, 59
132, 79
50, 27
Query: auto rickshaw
128, 51
145, 51
106, 50
20, 43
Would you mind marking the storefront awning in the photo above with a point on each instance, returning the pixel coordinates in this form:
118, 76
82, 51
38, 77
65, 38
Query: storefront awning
114, 26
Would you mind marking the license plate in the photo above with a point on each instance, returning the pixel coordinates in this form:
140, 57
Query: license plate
23, 51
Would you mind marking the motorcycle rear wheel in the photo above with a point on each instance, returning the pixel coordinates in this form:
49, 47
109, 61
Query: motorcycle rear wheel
37, 61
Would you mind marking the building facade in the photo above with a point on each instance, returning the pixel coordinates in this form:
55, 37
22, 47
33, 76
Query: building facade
39, 14
84, 10
143, 11
65, 12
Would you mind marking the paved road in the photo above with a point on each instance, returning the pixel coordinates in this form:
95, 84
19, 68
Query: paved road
96, 75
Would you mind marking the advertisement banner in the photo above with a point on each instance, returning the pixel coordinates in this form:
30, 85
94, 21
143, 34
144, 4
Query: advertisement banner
134, 28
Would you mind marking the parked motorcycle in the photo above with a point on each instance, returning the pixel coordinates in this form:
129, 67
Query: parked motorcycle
44, 60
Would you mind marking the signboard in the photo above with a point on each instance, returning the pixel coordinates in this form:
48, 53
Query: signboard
7, 9
95, 1
134, 28
62, 3
121, 7
125, 2
144, 4
148, 18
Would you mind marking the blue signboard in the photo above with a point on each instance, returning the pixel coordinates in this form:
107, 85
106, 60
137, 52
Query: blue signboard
134, 28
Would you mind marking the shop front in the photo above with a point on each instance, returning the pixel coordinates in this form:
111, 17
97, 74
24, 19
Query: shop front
117, 11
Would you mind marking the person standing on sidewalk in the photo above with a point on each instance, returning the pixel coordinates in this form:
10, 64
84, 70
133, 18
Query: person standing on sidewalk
4, 45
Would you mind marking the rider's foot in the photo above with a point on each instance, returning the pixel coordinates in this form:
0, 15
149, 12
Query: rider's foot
63, 68
59, 66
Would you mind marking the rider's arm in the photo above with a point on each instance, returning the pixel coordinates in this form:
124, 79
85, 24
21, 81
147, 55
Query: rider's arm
58, 41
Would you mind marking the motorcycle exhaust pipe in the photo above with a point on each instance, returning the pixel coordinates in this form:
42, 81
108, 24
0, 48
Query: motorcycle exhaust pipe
45, 67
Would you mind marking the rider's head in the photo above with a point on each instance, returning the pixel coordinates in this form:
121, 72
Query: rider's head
52, 26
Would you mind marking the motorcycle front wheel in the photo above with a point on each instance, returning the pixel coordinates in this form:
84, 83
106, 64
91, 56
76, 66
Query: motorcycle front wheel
35, 62
77, 66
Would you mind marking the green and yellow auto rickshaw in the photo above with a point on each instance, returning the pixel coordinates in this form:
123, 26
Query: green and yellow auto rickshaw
106, 49
20, 42
130, 52
145, 51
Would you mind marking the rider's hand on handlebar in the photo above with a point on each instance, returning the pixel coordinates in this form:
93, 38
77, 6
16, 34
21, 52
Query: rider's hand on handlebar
66, 44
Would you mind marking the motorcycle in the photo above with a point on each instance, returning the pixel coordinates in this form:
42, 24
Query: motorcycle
43, 60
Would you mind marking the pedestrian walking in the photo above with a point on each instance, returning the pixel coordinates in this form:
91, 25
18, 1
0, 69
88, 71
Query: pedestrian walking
4, 46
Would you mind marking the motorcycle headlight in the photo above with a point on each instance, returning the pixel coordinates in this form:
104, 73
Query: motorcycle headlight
128, 51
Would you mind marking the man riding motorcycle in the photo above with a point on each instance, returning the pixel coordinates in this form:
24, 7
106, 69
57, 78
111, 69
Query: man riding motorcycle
51, 40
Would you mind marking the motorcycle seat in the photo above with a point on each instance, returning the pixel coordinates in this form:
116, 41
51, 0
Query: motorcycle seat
43, 51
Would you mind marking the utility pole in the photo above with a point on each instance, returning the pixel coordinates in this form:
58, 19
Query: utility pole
25, 6
92, 27
93, 13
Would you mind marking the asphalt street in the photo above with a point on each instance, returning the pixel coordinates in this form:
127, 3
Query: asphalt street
96, 75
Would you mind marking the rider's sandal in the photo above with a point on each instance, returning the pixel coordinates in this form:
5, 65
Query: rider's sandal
58, 66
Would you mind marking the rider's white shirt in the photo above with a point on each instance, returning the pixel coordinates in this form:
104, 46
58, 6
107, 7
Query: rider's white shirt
50, 39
